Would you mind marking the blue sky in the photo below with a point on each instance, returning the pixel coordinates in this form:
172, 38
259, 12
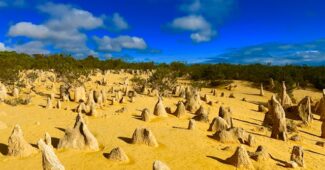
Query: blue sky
233, 31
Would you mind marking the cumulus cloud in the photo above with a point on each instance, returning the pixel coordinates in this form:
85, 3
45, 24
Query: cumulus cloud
30, 30
2, 47
63, 29
201, 29
116, 22
32, 47
108, 44
311, 53
192, 23
66, 17
202, 18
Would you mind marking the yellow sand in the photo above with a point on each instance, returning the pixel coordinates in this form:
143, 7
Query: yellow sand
178, 147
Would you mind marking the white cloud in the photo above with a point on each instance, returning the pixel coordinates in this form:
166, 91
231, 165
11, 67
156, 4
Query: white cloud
202, 30
30, 30
108, 44
32, 47
115, 22
2, 47
63, 30
65, 17
119, 22
191, 23
203, 36
202, 17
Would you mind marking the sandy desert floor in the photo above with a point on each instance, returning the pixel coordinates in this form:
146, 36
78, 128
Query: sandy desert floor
178, 147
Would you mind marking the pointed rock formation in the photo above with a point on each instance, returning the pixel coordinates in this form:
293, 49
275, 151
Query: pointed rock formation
232, 135
96, 95
176, 90
272, 84
90, 97
320, 107
206, 98
159, 109
118, 95
214, 92
182, 93
261, 90
81, 108
79, 94
52, 96
93, 111
192, 102
49, 160
126, 91
48, 103
132, 99
201, 116
15, 92
240, 159
65, 98
100, 100
200, 111
323, 129
304, 110
3, 92
144, 136
64, 90
251, 140
104, 95
158, 165
262, 108
113, 101
279, 129
117, 154
58, 104
297, 155
218, 124
48, 139
145, 115
79, 137
260, 154
144, 90
226, 114
17, 145
191, 124
122, 100
180, 110
285, 98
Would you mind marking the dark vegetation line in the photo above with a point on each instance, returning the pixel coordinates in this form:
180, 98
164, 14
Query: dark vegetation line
11, 63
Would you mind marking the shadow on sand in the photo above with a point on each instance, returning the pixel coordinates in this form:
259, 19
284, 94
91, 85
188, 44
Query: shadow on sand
126, 139
3, 149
